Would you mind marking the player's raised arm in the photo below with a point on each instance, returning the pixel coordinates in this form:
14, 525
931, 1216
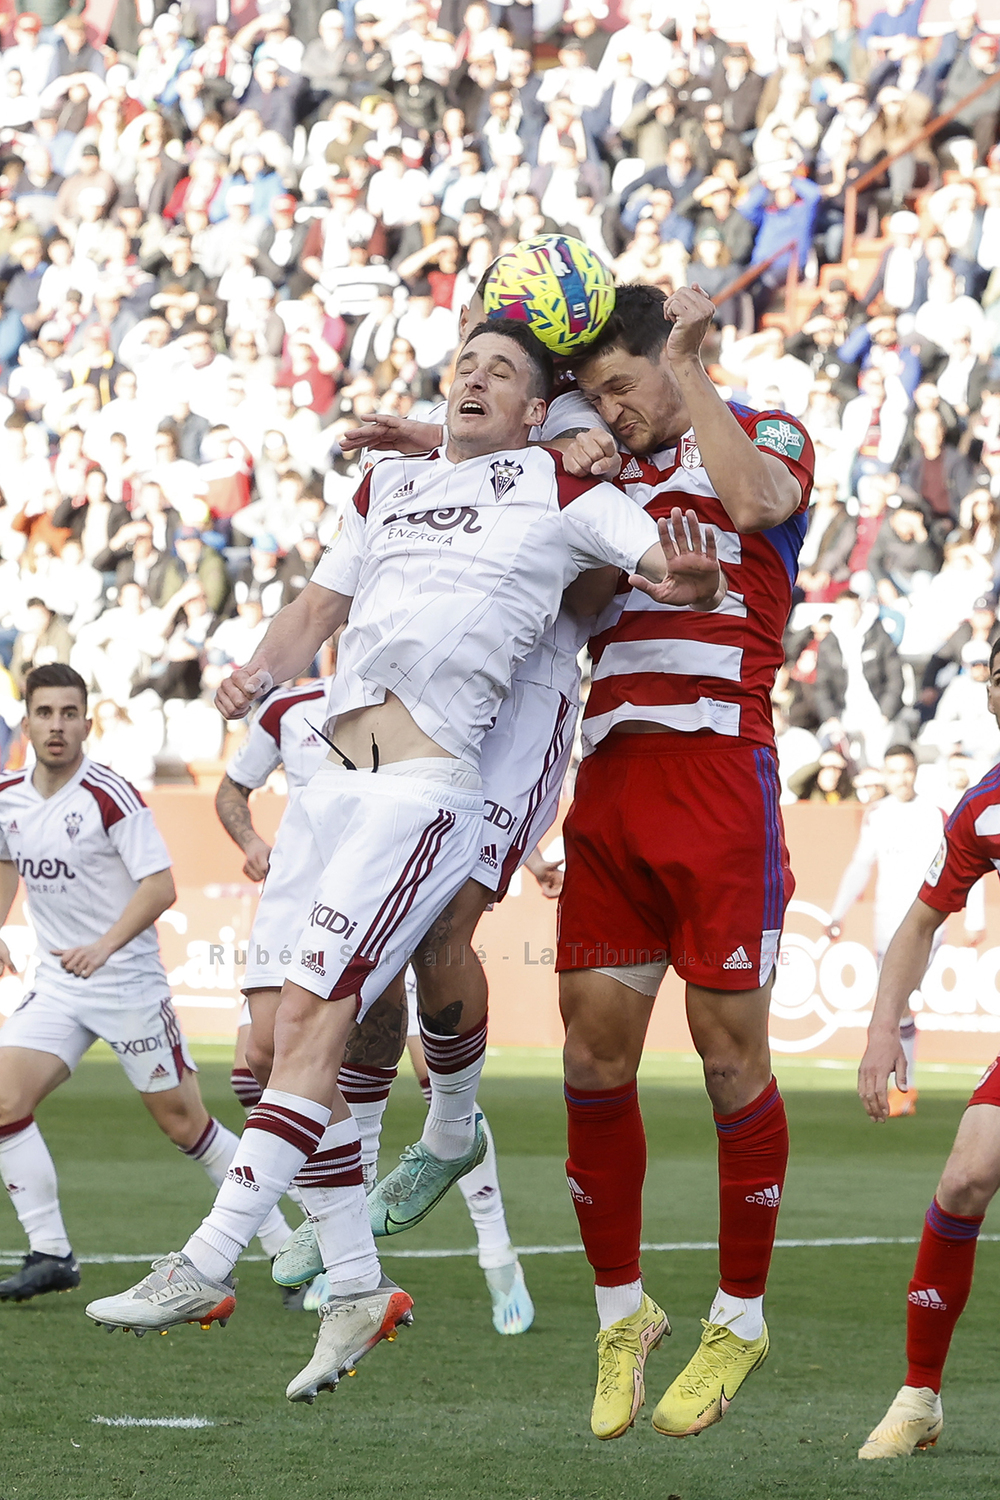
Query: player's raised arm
902, 970
292, 640
155, 893
757, 490
384, 433
232, 803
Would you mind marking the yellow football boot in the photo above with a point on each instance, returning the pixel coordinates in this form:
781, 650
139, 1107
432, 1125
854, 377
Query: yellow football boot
703, 1390
621, 1360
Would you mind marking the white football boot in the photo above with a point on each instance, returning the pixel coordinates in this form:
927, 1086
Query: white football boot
350, 1326
175, 1291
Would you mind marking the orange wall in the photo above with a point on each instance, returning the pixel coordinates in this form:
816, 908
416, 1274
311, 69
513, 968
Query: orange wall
823, 995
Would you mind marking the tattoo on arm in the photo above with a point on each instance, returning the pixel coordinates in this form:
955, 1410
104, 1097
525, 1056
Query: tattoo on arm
232, 803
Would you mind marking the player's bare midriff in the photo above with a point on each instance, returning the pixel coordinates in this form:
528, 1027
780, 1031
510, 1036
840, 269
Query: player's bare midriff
393, 729
641, 726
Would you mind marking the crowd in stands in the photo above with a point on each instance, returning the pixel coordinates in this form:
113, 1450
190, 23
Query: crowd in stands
228, 234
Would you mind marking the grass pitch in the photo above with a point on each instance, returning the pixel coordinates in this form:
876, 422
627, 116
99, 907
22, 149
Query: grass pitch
453, 1410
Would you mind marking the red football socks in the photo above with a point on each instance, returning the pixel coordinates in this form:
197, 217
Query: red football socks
753, 1155
942, 1279
606, 1168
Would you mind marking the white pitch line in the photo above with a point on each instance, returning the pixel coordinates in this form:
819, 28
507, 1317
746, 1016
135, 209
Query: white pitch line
12, 1258
152, 1421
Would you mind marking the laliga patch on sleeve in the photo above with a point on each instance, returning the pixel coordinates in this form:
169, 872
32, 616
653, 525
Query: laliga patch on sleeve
937, 865
781, 437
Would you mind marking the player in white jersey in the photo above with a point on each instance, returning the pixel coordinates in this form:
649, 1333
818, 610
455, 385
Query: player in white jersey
97, 875
899, 838
449, 569
283, 733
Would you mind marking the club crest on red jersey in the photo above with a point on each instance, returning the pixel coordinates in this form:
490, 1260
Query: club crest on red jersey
504, 474
690, 452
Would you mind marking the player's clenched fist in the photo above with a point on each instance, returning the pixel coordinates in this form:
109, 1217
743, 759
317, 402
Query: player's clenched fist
691, 311
593, 453
236, 693
6, 962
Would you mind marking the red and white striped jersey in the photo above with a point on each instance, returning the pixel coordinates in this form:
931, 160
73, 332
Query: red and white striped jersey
691, 671
284, 732
971, 847
81, 854
457, 571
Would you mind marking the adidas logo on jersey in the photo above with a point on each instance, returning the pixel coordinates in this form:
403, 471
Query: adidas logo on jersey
738, 960
579, 1196
404, 490
158, 1072
767, 1197
244, 1176
488, 856
930, 1298
632, 470
12, 827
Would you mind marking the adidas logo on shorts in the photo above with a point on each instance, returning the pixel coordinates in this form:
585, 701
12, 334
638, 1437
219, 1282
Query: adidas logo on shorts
158, 1072
315, 962
738, 960
244, 1176
930, 1298
767, 1197
488, 856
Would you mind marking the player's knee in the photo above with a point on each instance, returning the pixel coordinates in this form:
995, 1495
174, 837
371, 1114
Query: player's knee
260, 1057
181, 1123
596, 1061
966, 1188
732, 1073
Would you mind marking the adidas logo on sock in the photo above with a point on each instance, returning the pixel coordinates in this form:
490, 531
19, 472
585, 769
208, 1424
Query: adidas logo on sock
579, 1196
738, 960
158, 1072
767, 1197
929, 1298
244, 1177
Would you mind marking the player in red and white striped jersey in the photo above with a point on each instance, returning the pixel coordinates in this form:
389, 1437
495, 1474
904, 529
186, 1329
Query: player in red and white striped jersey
942, 1276
96, 875
674, 844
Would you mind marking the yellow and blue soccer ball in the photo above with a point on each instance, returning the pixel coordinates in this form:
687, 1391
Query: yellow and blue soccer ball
555, 284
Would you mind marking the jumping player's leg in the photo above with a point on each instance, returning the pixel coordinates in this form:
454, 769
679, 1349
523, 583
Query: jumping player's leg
29, 1175
942, 1280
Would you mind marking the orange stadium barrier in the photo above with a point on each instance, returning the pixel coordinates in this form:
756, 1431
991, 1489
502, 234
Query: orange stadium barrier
823, 994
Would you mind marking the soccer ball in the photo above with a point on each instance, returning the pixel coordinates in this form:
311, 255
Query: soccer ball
556, 285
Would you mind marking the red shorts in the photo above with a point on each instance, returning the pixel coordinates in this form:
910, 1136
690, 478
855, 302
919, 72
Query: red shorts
675, 853
987, 1090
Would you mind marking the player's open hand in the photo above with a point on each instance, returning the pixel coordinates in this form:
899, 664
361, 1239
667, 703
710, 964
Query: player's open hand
693, 575
592, 454
238, 691
883, 1055
691, 311
258, 858
83, 961
6, 962
382, 432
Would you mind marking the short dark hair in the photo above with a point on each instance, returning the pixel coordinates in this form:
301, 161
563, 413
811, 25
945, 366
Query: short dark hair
637, 325
900, 749
994, 651
57, 675
538, 356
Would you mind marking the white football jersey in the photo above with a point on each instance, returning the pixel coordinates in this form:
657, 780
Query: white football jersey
284, 732
457, 571
898, 840
81, 854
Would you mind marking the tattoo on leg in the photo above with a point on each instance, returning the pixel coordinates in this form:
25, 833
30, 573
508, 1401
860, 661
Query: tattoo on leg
446, 1022
380, 1040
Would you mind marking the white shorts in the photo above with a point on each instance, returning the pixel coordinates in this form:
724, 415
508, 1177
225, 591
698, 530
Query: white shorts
391, 851
144, 1034
523, 765
412, 1018
245, 1017
279, 911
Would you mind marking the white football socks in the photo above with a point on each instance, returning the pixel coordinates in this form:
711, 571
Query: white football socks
30, 1178
215, 1151
908, 1042
481, 1190
617, 1302
338, 1209
743, 1316
282, 1133
454, 1065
